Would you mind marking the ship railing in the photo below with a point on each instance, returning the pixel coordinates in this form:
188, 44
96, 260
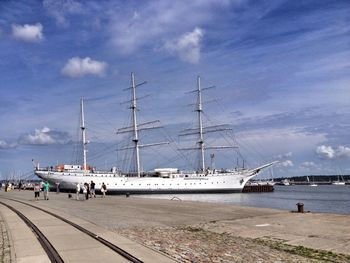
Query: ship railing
104, 172
42, 169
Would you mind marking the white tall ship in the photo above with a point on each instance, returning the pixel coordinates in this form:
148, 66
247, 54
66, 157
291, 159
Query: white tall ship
157, 181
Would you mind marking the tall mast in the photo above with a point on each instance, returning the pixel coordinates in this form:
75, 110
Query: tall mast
200, 130
134, 125
200, 125
134, 128
83, 132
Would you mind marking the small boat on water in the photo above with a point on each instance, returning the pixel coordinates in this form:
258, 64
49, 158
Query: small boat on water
285, 182
339, 182
311, 183
159, 180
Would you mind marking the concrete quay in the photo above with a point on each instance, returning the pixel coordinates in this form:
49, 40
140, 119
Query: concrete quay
203, 232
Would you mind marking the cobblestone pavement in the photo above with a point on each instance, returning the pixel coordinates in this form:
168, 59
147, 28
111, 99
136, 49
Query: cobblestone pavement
5, 251
195, 244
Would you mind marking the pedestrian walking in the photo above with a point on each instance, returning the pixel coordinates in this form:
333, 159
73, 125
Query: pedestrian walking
46, 187
77, 188
36, 191
92, 189
57, 187
86, 191
103, 190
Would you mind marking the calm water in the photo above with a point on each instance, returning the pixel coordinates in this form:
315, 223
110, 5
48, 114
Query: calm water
323, 198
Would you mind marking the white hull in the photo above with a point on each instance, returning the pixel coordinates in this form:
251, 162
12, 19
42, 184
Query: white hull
285, 182
338, 183
175, 183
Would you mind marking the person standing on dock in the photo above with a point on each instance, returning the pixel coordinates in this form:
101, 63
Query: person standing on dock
57, 187
103, 190
92, 189
86, 191
36, 191
77, 188
46, 187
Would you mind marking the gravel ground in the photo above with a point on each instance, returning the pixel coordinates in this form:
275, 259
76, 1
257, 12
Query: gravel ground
195, 244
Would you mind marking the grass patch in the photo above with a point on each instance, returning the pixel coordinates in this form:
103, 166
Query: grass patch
303, 251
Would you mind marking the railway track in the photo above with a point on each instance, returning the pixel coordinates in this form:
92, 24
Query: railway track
48, 246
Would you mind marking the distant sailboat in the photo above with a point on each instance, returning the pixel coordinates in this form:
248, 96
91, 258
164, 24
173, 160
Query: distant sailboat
338, 182
311, 183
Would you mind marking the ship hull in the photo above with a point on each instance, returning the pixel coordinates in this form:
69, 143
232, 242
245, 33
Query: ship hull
116, 184
171, 191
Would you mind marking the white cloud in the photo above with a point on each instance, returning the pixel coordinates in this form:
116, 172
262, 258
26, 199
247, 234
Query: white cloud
153, 23
44, 136
343, 151
29, 33
308, 165
187, 46
79, 67
59, 9
286, 163
5, 145
284, 155
328, 152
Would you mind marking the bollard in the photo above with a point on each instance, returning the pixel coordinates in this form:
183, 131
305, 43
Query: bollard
300, 207
127, 195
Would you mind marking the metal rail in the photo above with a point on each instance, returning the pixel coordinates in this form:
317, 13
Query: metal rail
115, 248
45, 243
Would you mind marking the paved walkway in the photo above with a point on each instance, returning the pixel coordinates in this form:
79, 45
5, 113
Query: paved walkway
5, 249
118, 214
71, 244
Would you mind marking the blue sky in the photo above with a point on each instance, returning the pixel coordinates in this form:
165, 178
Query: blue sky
281, 71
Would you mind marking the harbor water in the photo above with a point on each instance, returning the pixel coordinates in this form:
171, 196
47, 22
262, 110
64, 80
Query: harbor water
323, 198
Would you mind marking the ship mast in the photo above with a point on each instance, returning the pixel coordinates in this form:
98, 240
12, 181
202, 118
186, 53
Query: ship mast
200, 124
134, 124
201, 130
83, 132
135, 127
